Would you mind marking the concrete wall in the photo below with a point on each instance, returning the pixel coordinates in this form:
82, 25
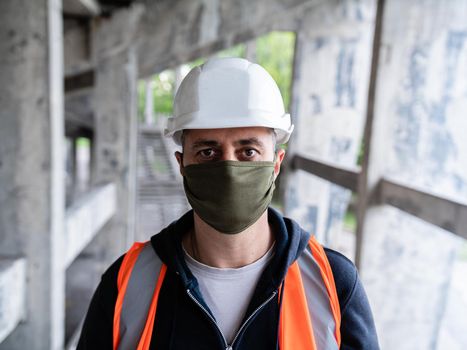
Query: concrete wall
330, 88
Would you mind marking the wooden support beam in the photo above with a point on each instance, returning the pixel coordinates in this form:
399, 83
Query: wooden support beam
371, 172
442, 212
342, 176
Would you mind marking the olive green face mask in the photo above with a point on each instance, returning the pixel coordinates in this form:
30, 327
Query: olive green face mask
229, 195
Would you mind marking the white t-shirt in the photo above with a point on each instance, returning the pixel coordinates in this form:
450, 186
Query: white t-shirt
228, 291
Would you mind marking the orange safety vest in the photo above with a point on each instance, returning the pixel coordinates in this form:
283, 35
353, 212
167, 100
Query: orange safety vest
305, 319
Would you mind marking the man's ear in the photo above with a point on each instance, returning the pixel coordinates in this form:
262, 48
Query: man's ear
179, 157
280, 153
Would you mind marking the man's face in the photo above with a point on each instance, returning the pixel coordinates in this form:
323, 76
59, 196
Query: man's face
237, 144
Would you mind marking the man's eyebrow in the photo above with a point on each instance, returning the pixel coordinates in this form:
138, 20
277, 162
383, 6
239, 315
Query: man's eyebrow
203, 143
213, 143
250, 141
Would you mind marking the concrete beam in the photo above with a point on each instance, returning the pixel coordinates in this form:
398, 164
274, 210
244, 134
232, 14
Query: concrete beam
113, 36
81, 8
86, 217
77, 46
174, 33
12, 295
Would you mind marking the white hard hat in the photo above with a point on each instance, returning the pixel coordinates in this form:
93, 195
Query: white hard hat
228, 93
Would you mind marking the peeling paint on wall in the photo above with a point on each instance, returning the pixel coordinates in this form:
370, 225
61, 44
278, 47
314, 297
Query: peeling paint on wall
426, 146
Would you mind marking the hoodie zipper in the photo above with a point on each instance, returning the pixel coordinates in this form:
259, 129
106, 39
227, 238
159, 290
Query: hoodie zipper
251, 316
226, 345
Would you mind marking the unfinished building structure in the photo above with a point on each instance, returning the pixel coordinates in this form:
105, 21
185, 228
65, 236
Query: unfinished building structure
378, 99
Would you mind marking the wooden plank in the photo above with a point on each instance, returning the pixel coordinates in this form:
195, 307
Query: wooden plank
342, 176
442, 212
12, 294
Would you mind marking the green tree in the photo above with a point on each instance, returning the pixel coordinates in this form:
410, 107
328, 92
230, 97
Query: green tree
274, 52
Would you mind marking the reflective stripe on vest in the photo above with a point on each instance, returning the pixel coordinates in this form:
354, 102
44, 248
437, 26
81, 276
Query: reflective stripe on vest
308, 320
139, 281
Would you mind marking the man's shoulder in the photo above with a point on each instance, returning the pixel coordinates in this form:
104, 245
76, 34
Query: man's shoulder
110, 276
357, 327
345, 275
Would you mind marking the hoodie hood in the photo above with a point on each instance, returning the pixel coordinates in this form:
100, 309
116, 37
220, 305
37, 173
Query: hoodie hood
291, 239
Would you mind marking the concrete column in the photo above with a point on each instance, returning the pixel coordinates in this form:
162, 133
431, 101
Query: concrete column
32, 164
114, 148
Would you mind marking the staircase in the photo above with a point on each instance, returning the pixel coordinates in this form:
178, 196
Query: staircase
161, 198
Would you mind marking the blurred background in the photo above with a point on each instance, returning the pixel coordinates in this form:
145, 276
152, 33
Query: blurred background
376, 167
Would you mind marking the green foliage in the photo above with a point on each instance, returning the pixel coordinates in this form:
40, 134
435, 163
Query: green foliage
361, 153
163, 92
141, 99
274, 52
350, 221
83, 142
235, 51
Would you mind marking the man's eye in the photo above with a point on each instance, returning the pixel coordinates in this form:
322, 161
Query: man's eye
207, 153
250, 152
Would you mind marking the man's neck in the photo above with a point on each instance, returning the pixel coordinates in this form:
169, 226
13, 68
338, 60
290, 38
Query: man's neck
217, 249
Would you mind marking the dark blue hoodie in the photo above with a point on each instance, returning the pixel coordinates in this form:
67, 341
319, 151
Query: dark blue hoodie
181, 324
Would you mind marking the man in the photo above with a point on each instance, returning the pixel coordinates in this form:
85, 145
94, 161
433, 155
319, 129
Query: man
233, 273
